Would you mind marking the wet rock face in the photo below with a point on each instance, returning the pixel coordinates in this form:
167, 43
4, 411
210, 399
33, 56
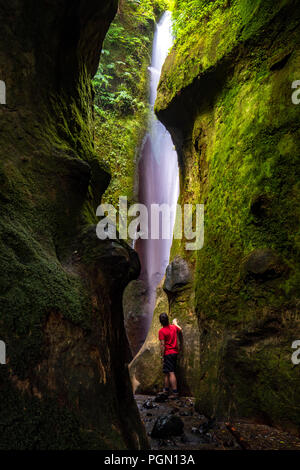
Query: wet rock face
146, 367
238, 143
66, 383
135, 300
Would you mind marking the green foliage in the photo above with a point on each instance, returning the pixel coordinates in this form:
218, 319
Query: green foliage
127, 44
121, 92
117, 142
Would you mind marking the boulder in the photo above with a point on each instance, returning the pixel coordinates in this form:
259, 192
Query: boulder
178, 275
166, 426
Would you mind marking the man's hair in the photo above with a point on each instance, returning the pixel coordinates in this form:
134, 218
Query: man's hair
164, 319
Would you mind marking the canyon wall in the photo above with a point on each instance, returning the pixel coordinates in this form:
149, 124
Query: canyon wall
65, 384
121, 118
225, 96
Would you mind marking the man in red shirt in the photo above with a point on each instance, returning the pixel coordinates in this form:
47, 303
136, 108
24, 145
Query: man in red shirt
169, 352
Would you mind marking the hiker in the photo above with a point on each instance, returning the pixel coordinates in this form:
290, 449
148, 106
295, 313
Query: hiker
169, 352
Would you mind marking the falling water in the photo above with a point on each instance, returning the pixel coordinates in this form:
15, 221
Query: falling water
158, 174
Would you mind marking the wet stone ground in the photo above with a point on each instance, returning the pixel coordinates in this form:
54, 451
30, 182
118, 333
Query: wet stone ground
196, 431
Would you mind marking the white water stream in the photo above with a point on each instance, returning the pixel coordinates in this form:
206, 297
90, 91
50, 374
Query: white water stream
158, 173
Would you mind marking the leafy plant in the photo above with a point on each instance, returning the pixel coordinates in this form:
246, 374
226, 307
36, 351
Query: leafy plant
119, 83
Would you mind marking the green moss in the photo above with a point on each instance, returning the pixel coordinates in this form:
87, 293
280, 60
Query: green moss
32, 423
33, 284
227, 100
209, 36
118, 139
121, 94
51, 182
249, 150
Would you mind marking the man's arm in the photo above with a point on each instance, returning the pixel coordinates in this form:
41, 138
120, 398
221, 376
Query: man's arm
162, 347
176, 324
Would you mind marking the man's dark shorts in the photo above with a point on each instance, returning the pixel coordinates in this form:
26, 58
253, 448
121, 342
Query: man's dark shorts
169, 364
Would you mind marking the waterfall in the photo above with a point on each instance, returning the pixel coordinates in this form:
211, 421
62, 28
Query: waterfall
158, 174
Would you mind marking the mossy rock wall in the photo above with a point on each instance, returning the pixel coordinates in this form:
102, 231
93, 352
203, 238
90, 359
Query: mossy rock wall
66, 382
225, 96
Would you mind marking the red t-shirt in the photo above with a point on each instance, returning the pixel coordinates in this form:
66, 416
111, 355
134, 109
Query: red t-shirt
169, 335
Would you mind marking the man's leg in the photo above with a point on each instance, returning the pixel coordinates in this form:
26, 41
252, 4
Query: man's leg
173, 381
167, 383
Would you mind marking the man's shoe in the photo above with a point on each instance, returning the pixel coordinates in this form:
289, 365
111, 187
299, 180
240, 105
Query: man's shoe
161, 396
174, 396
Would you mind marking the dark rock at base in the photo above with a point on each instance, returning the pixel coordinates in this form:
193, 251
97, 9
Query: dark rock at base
161, 397
207, 425
204, 427
167, 425
184, 439
175, 410
186, 413
149, 405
